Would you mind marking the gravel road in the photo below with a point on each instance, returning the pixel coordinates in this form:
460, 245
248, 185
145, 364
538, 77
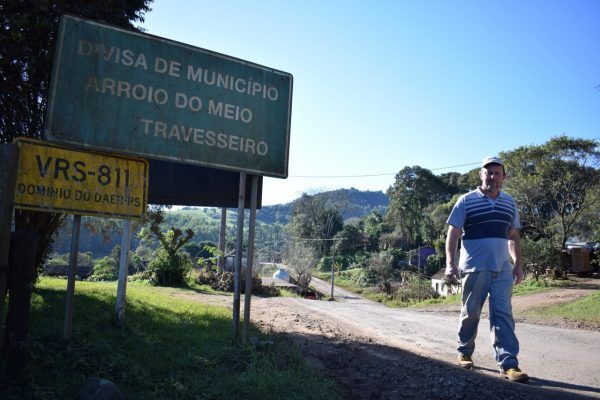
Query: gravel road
554, 357
375, 352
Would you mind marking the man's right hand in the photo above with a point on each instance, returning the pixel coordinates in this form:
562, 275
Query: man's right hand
451, 273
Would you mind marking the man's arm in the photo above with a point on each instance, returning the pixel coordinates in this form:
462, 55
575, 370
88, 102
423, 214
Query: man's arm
514, 247
451, 245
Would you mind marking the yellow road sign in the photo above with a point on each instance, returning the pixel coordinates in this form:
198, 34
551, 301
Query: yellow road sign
54, 178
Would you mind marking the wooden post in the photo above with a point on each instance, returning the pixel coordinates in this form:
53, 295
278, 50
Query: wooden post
250, 257
68, 324
9, 159
239, 242
221, 263
123, 266
24, 247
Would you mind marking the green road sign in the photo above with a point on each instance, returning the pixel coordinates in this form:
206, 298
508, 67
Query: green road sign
134, 93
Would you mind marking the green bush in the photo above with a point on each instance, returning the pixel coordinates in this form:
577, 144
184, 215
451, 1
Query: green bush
169, 269
223, 281
364, 277
539, 256
414, 289
398, 258
433, 265
341, 263
105, 269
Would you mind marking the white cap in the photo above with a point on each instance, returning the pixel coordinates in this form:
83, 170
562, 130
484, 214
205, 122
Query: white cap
491, 160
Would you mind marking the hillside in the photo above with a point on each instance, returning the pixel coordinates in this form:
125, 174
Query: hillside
205, 222
353, 202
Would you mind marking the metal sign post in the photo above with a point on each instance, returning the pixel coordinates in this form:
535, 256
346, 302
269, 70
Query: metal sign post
250, 258
123, 266
239, 243
68, 324
222, 232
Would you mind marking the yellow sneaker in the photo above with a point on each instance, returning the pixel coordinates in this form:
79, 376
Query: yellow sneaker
515, 375
465, 361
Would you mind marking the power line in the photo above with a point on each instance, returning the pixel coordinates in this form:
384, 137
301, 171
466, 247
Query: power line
383, 173
372, 175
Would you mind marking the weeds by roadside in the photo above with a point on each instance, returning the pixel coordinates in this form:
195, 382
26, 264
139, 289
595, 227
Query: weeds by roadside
168, 348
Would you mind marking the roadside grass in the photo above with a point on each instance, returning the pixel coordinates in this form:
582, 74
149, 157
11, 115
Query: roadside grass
167, 348
586, 310
342, 280
440, 301
529, 286
287, 293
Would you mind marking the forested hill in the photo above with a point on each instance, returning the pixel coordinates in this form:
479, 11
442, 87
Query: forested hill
205, 221
352, 203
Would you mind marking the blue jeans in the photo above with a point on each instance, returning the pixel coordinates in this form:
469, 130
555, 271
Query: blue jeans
476, 287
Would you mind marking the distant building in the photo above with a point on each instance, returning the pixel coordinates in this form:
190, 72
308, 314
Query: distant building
419, 256
438, 283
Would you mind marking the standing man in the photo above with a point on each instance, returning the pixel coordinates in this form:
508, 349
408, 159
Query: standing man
489, 223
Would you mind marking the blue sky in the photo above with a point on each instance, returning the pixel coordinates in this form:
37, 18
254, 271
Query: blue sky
384, 84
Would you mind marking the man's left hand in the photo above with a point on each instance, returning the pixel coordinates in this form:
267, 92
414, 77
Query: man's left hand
518, 274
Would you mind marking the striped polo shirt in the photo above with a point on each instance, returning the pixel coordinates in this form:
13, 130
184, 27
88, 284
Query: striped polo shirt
485, 224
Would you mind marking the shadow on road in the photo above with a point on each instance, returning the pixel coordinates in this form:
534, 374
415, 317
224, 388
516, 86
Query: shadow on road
373, 371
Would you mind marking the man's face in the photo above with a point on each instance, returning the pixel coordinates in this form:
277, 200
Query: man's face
492, 176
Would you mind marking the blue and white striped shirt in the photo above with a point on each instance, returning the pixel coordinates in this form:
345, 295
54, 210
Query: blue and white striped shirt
485, 223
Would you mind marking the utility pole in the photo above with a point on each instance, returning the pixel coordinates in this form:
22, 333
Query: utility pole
332, 271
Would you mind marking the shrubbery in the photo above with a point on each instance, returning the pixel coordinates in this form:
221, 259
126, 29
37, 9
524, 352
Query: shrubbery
223, 280
105, 269
539, 256
169, 269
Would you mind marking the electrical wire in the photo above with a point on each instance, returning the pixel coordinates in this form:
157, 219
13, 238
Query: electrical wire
384, 173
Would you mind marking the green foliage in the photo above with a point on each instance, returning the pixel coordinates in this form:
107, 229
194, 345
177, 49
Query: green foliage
223, 281
58, 259
341, 263
105, 269
582, 311
414, 289
381, 265
433, 265
374, 227
314, 218
349, 240
540, 255
64, 259
168, 348
29, 32
529, 286
413, 189
302, 260
169, 269
554, 184
364, 277
398, 258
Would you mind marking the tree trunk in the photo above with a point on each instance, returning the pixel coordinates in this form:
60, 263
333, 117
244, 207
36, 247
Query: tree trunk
22, 273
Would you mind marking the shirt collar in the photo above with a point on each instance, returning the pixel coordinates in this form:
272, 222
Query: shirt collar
480, 193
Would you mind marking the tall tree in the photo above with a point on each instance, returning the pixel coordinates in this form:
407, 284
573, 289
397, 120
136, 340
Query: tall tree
316, 221
28, 39
413, 189
27, 43
554, 184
